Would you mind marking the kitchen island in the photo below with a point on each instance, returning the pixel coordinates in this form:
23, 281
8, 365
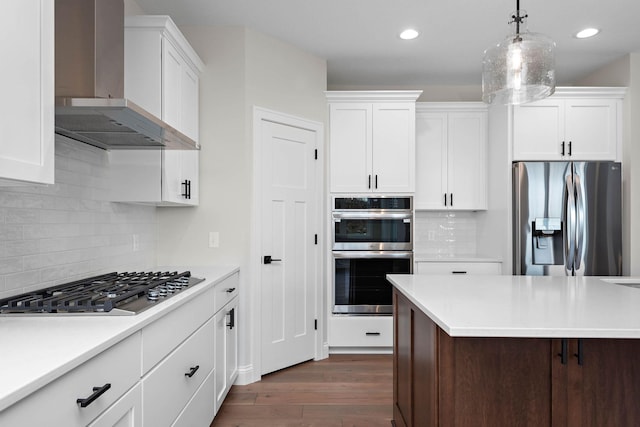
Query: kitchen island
515, 350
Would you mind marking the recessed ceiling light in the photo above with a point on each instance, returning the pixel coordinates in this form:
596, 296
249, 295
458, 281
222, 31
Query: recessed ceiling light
587, 32
409, 34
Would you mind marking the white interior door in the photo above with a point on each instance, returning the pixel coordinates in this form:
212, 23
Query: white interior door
289, 224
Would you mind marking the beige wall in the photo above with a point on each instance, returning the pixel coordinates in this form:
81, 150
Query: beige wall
243, 69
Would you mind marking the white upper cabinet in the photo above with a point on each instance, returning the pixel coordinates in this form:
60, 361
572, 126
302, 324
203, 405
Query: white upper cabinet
162, 76
161, 177
451, 156
372, 140
27, 116
572, 124
162, 71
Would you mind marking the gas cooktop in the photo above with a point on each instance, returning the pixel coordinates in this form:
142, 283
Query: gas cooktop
113, 293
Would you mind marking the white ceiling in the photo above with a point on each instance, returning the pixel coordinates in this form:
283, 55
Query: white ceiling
359, 38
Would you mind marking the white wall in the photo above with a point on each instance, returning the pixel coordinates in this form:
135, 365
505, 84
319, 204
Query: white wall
66, 231
626, 72
243, 69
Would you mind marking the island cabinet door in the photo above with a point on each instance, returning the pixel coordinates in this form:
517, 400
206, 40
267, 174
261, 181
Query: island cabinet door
601, 383
494, 381
415, 366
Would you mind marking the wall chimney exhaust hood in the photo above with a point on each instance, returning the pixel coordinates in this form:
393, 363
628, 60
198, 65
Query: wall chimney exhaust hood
90, 103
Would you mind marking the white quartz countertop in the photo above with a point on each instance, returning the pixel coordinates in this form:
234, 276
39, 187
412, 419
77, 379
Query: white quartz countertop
36, 349
526, 306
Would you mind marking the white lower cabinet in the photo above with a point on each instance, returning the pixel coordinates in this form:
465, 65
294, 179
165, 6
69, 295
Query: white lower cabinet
97, 384
458, 267
199, 409
350, 332
126, 412
226, 337
175, 371
167, 389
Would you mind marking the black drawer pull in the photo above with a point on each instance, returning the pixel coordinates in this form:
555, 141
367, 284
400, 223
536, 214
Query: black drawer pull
458, 272
229, 290
97, 392
563, 352
372, 334
192, 371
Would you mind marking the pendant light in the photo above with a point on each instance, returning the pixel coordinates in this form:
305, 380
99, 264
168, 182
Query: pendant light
520, 68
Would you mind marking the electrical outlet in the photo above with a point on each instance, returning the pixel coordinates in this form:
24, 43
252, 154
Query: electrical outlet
136, 242
214, 239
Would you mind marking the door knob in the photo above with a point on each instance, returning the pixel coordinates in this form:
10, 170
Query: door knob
268, 260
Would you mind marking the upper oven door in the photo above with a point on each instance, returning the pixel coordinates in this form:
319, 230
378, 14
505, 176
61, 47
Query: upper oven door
370, 231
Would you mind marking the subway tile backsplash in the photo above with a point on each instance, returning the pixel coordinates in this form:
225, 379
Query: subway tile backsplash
67, 231
445, 234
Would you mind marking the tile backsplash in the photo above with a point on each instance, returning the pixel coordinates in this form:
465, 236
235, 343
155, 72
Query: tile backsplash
67, 231
445, 234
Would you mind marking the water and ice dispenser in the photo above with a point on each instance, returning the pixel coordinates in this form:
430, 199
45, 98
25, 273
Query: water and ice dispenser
547, 241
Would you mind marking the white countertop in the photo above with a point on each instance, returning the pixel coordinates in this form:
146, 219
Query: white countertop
36, 349
526, 306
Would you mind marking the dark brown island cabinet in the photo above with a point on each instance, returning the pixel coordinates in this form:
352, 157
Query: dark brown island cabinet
442, 381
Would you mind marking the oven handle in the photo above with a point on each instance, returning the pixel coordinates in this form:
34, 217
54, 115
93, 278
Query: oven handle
372, 254
372, 215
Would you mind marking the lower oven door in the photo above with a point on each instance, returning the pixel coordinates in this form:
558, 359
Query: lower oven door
359, 280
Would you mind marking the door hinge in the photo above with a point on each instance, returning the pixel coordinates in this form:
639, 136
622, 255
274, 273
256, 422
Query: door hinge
315, 324
316, 154
316, 239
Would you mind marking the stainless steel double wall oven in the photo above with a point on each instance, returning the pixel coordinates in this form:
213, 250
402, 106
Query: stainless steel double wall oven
372, 237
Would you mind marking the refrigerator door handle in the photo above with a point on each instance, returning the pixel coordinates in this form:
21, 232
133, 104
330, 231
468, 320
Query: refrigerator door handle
569, 222
580, 222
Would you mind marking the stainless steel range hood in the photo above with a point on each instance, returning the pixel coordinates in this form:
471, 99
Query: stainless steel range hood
90, 103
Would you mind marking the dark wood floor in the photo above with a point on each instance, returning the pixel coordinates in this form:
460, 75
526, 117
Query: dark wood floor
343, 390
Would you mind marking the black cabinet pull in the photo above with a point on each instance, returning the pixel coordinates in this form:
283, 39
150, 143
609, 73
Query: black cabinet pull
229, 290
232, 318
569, 147
580, 353
458, 272
97, 392
187, 189
372, 334
192, 371
451, 204
562, 152
376, 182
369, 182
445, 199
563, 353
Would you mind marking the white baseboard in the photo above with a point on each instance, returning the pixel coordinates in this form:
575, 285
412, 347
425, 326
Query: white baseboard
246, 375
360, 350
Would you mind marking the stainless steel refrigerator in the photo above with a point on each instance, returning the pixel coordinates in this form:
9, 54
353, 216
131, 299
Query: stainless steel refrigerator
567, 219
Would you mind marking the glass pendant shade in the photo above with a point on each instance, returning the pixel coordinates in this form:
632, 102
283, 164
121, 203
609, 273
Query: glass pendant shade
520, 68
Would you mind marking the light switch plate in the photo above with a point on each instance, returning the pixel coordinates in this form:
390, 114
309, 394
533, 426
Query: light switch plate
214, 239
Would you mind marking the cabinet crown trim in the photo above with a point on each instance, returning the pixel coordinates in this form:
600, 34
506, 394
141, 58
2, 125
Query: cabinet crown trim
372, 96
450, 106
590, 92
165, 24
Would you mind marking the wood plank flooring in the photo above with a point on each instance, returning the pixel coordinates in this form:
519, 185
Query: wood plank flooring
343, 390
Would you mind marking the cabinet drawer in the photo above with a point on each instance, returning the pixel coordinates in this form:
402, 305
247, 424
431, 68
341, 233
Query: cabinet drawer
361, 331
127, 411
168, 388
56, 404
226, 291
488, 268
165, 334
201, 408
